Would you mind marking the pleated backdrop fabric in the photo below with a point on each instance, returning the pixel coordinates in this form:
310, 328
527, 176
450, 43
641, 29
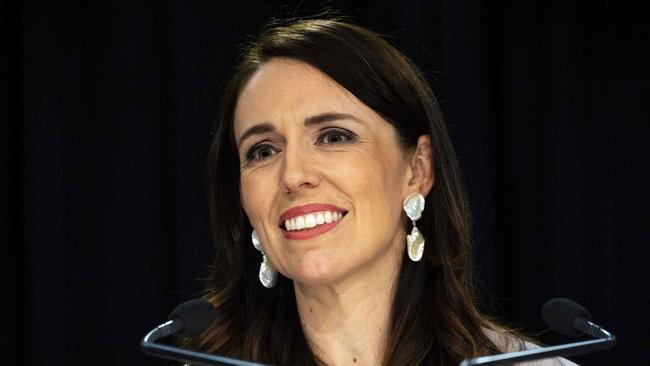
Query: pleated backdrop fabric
106, 115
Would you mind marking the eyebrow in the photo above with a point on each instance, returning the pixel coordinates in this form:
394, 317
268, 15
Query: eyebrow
265, 127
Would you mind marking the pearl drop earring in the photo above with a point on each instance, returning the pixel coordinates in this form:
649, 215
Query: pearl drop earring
268, 275
413, 206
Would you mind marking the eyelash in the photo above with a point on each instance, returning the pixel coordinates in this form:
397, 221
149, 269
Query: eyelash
348, 137
251, 155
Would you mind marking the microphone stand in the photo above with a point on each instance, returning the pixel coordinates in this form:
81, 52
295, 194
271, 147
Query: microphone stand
606, 340
150, 347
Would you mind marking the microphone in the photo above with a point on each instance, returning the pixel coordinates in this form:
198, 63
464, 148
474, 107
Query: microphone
188, 319
563, 316
569, 318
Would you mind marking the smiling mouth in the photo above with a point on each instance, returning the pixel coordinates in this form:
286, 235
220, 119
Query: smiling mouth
311, 220
308, 221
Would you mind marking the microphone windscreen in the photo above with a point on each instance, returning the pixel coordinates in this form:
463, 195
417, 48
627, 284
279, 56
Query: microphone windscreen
197, 316
560, 314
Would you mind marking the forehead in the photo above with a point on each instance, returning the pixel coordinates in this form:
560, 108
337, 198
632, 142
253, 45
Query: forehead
285, 89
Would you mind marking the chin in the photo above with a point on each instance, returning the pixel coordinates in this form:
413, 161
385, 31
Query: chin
315, 271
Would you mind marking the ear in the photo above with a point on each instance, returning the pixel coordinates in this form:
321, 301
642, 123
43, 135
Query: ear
421, 165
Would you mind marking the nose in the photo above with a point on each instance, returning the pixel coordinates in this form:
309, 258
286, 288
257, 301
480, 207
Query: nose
299, 171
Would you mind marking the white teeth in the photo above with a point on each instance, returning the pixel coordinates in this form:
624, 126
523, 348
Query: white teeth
311, 220
300, 222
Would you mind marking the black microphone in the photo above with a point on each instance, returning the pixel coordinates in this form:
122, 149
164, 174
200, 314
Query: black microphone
569, 318
563, 316
188, 319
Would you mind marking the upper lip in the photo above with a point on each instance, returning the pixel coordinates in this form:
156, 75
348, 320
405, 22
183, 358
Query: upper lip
307, 209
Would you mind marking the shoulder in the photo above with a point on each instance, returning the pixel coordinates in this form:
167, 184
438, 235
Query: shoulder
506, 342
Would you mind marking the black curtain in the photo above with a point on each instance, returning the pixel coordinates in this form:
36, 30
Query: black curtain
106, 115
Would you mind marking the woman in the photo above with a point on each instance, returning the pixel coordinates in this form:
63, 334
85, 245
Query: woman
340, 221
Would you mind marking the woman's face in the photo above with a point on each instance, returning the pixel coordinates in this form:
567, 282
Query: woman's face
322, 175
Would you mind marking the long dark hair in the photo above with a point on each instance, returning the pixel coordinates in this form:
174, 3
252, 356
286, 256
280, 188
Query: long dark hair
434, 319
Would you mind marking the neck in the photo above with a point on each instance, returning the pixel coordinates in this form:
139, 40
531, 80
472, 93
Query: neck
348, 322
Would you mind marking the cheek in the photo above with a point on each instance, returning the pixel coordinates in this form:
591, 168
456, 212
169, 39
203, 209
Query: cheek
383, 200
253, 198
385, 195
383, 177
374, 182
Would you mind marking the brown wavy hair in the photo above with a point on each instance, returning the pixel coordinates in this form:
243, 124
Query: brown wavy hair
434, 318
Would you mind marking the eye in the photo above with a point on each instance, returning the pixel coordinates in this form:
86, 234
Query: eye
336, 136
261, 152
